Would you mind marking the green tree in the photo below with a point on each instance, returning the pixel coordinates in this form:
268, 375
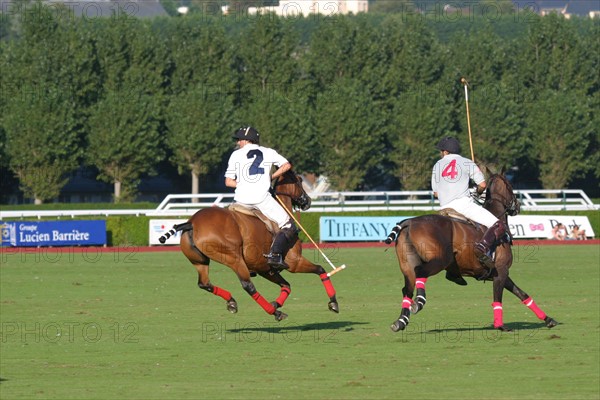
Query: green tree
47, 82
417, 98
558, 73
495, 101
562, 131
200, 114
286, 123
350, 130
267, 56
124, 138
199, 132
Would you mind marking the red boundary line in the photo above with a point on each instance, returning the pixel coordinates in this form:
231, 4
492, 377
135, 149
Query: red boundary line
337, 245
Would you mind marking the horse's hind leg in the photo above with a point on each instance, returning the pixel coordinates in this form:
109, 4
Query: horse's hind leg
204, 283
201, 262
408, 260
528, 301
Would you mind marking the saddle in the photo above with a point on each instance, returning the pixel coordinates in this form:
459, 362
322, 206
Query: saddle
453, 214
253, 212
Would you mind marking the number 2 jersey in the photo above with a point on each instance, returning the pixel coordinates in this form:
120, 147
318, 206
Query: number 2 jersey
450, 177
251, 166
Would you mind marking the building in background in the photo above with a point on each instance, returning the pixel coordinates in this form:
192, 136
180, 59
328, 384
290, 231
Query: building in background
568, 8
293, 8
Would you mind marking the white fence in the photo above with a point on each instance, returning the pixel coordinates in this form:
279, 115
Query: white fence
422, 200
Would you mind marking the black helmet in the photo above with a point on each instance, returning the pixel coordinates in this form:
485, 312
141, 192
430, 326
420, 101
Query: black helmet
247, 133
449, 144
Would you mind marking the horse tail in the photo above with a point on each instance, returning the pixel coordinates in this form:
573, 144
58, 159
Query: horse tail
395, 232
187, 226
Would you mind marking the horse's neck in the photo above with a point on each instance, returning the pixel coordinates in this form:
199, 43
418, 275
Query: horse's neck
497, 211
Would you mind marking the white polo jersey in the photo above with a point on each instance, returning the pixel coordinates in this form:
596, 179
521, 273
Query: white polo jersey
251, 166
450, 177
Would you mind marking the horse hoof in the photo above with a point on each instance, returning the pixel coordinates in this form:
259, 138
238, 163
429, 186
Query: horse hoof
416, 307
398, 326
279, 316
550, 322
232, 306
333, 306
502, 328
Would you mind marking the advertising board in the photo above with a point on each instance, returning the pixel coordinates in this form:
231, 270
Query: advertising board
53, 233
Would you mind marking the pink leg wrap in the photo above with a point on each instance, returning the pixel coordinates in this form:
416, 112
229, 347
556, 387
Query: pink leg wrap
497, 314
406, 302
420, 283
533, 307
268, 307
328, 285
285, 292
221, 293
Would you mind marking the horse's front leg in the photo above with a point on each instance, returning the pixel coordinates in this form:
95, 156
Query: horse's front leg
499, 284
528, 301
302, 265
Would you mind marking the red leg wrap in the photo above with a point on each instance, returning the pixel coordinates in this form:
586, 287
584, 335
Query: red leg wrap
268, 307
497, 314
221, 293
285, 292
328, 285
533, 307
420, 283
406, 302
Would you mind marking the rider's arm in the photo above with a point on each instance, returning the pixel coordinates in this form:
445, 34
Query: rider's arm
285, 167
229, 182
481, 187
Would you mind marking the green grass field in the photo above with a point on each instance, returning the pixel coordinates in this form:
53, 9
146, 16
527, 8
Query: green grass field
133, 325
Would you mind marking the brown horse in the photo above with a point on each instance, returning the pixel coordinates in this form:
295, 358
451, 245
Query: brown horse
428, 244
240, 241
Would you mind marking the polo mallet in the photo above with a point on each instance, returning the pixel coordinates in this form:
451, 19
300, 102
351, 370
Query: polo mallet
335, 270
466, 84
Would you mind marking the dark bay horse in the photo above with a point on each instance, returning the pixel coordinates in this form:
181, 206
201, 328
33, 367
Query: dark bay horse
428, 244
240, 241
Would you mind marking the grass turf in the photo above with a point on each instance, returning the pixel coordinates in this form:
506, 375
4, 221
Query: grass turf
135, 326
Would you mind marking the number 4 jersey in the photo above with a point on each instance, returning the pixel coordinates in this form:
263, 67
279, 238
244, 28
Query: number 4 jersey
251, 166
450, 177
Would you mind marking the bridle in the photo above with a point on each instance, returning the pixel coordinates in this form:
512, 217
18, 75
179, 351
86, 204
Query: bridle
303, 200
510, 205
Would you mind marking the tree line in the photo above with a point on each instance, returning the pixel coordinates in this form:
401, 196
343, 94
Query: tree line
361, 99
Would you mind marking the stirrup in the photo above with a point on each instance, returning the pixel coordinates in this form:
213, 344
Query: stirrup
275, 260
488, 265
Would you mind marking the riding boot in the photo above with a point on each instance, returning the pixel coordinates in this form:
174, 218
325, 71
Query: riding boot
491, 238
284, 240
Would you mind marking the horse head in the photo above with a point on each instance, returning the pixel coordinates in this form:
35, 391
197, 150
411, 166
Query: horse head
290, 185
500, 198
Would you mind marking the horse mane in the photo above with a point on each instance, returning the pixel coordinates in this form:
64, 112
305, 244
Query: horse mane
502, 177
288, 176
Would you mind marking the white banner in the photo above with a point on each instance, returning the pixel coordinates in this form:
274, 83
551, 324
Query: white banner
540, 226
159, 227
